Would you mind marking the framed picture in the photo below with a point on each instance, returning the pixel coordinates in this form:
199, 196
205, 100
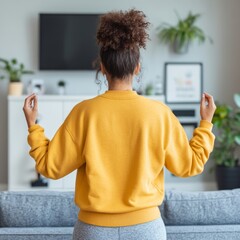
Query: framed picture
183, 82
189, 128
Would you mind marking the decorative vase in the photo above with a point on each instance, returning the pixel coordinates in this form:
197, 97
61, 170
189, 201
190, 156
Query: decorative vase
228, 177
15, 88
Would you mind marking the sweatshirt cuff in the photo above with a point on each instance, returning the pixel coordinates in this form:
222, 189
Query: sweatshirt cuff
206, 124
33, 128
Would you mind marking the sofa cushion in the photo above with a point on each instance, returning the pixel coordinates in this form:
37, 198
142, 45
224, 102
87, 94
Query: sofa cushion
36, 233
211, 232
201, 208
37, 209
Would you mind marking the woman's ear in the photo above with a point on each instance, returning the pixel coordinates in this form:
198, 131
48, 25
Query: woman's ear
137, 69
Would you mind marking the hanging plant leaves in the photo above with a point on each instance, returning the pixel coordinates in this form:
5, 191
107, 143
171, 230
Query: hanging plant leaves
183, 33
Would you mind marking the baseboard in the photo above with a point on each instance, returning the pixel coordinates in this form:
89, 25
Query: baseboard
3, 187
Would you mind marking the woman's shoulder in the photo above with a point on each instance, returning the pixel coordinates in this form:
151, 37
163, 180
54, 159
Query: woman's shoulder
155, 103
84, 103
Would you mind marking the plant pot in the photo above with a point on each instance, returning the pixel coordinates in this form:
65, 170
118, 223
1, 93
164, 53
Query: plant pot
180, 48
61, 90
228, 177
15, 88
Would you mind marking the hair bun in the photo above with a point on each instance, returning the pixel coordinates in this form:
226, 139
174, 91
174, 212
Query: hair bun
121, 30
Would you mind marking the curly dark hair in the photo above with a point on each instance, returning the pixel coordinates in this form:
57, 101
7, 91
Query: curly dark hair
120, 35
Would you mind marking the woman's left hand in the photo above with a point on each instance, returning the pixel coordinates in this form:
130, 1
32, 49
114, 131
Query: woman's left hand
30, 109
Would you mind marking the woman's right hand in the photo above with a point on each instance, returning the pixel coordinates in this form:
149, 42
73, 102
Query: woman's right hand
207, 107
30, 109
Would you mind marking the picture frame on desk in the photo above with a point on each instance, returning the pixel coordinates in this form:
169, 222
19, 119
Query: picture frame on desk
183, 82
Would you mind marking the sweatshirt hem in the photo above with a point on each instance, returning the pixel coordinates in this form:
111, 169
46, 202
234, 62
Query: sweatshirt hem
119, 219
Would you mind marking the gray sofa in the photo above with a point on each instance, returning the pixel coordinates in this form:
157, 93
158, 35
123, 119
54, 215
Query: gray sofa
187, 215
213, 215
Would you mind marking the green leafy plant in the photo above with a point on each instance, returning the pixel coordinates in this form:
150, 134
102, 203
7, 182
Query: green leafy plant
227, 121
61, 83
13, 69
181, 35
149, 89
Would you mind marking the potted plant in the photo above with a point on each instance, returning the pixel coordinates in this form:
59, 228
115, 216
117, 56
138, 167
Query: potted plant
61, 87
149, 89
225, 154
181, 35
14, 70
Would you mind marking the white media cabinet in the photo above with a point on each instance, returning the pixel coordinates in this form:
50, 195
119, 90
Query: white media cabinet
53, 109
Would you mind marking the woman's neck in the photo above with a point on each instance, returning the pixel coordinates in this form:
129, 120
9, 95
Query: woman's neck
120, 84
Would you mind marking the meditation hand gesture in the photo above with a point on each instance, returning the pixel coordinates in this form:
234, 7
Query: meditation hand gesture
207, 107
30, 109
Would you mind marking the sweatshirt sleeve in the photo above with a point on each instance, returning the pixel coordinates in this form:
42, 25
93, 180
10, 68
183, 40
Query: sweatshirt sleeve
186, 158
55, 158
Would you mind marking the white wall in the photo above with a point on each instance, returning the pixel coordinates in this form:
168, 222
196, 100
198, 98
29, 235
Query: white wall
221, 19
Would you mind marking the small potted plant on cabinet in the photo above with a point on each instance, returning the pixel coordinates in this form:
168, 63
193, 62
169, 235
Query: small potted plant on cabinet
180, 36
14, 70
61, 87
225, 154
149, 89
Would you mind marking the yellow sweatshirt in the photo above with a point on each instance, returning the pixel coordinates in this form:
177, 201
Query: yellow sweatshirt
119, 143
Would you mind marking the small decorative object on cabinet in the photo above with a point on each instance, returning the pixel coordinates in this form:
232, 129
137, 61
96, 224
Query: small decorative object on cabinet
14, 70
225, 153
36, 86
61, 87
185, 32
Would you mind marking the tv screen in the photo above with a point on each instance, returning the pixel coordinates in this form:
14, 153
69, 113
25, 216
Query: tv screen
68, 41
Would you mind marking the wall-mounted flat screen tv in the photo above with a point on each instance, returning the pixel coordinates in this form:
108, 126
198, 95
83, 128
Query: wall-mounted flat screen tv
68, 41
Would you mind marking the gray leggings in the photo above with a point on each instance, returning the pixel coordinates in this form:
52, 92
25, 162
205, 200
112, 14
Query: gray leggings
154, 230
